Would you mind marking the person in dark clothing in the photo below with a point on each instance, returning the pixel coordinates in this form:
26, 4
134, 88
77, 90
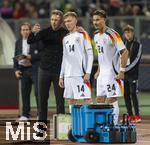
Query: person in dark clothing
26, 62
131, 74
50, 64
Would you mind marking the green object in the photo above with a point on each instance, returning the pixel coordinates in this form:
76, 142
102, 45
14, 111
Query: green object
62, 124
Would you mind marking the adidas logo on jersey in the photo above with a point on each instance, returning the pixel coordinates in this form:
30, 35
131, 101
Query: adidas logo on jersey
82, 95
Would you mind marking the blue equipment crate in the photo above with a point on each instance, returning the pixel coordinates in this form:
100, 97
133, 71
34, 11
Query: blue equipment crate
94, 123
89, 118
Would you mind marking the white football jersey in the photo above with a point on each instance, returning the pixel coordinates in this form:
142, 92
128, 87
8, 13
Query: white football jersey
77, 55
109, 44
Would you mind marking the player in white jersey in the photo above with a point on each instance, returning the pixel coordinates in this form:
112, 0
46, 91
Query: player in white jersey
112, 59
77, 62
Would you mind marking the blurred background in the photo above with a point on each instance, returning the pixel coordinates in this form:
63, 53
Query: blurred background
120, 13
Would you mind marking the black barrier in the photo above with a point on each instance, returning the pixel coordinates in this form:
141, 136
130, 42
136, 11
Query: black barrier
9, 92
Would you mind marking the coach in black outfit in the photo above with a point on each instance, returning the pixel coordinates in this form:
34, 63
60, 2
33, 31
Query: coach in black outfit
131, 74
26, 68
50, 65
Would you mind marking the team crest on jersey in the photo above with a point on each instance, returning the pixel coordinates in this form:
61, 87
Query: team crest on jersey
105, 40
77, 40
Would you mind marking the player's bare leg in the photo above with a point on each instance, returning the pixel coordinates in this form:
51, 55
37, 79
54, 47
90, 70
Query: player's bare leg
100, 99
113, 101
71, 102
88, 101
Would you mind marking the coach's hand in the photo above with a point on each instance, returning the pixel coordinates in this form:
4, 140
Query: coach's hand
120, 76
80, 29
18, 74
36, 28
61, 83
86, 77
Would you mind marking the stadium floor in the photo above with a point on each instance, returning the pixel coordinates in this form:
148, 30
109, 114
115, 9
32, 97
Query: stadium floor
143, 134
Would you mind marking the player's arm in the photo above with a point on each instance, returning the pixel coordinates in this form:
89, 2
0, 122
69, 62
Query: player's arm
89, 52
136, 57
18, 72
123, 62
36, 35
122, 50
61, 77
97, 73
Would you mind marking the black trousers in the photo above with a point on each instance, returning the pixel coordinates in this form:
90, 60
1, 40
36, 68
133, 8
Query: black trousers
131, 97
29, 77
45, 80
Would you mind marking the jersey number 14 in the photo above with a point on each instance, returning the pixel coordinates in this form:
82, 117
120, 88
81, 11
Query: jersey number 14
71, 48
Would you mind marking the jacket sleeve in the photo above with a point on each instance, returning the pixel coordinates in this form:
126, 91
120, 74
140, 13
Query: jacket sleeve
35, 37
136, 59
62, 72
35, 51
16, 66
88, 53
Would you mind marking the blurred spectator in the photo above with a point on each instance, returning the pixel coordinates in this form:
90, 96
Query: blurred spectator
92, 8
35, 14
69, 7
44, 9
114, 8
137, 10
6, 9
83, 6
127, 8
18, 10
30, 9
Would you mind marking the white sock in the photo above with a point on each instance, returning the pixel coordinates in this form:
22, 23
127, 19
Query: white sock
115, 112
70, 106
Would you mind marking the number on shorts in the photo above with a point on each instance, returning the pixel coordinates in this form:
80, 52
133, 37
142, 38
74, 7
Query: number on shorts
110, 88
80, 88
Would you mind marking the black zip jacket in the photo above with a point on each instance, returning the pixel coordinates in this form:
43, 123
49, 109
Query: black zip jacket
135, 52
51, 55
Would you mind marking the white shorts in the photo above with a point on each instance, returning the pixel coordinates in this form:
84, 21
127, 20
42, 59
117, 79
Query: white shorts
108, 86
75, 88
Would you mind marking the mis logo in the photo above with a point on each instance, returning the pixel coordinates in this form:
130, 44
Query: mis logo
25, 131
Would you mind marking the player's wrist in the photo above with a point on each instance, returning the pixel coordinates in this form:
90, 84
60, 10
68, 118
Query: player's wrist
61, 77
122, 69
87, 73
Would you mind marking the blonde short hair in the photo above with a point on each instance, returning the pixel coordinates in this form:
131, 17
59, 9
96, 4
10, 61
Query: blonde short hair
73, 14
